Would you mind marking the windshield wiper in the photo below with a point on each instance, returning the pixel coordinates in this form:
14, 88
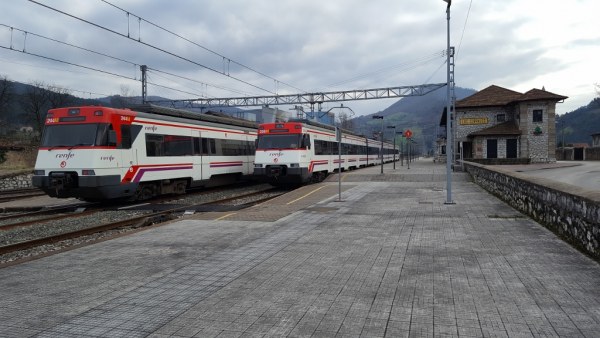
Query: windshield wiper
58, 146
79, 145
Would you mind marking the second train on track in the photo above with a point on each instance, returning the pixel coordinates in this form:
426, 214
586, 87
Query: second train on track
301, 151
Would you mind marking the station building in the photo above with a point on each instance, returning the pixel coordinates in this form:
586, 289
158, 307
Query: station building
499, 123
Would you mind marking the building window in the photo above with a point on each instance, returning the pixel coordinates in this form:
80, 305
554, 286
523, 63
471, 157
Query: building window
538, 115
501, 118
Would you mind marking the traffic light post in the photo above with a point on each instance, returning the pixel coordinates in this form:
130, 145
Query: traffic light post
408, 134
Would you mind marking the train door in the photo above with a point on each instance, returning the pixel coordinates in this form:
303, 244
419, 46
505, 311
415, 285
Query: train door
250, 151
198, 158
209, 152
129, 155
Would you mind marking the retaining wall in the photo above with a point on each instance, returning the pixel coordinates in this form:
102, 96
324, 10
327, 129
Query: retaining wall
570, 212
18, 180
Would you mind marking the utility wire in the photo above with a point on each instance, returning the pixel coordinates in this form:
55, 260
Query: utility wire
149, 45
196, 81
69, 63
464, 27
68, 44
410, 65
116, 58
93, 69
203, 47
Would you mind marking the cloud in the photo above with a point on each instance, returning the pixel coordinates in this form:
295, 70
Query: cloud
308, 45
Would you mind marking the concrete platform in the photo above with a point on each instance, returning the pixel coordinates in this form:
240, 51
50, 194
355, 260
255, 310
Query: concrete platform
390, 259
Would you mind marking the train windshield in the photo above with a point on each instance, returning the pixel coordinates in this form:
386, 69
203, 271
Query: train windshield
73, 135
279, 141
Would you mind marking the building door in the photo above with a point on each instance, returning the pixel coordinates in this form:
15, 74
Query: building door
468, 150
492, 148
578, 154
511, 148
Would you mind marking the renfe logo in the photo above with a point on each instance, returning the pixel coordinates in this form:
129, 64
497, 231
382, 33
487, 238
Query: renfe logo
107, 158
65, 156
153, 128
279, 154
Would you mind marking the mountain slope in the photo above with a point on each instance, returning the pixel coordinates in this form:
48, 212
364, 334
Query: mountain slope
420, 114
578, 126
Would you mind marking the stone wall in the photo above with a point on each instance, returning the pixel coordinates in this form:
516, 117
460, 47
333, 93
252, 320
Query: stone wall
17, 180
568, 154
538, 137
570, 212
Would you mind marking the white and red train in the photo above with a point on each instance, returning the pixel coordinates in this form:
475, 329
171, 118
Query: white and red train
301, 151
99, 153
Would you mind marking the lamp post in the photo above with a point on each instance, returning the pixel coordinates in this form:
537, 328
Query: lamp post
381, 151
402, 149
394, 152
449, 141
338, 137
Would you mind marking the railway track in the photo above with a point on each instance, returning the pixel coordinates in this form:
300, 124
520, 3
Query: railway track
22, 240
11, 195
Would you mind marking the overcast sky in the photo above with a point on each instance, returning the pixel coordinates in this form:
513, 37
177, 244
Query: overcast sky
264, 47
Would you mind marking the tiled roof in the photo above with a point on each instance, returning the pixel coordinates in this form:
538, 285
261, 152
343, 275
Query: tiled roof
498, 96
537, 94
505, 128
490, 96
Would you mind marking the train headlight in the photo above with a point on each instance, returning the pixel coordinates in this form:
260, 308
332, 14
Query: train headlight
258, 165
39, 172
87, 172
294, 165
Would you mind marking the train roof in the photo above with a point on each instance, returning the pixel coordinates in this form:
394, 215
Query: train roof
165, 111
324, 126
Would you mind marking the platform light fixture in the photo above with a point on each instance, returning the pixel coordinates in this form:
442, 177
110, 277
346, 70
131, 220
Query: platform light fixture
381, 151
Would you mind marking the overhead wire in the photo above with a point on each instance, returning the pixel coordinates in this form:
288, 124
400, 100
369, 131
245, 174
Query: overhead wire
196, 81
201, 46
464, 27
69, 63
69, 44
107, 56
149, 45
410, 65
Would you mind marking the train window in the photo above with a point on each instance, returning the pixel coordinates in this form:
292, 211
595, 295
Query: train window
320, 147
305, 141
154, 145
279, 141
168, 145
102, 134
69, 135
212, 146
236, 148
176, 145
125, 137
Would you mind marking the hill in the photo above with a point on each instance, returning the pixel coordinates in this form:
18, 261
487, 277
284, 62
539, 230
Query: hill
18, 101
578, 126
420, 114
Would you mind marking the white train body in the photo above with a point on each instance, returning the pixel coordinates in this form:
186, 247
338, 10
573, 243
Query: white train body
301, 151
99, 153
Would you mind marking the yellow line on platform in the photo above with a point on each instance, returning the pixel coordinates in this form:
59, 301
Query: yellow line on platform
301, 197
225, 216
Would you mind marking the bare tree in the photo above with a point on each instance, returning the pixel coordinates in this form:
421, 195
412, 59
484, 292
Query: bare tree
58, 97
6, 93
345, 121
124, 99
35, 104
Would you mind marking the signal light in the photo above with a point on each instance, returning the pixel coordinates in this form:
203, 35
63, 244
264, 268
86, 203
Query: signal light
98, 113
88, 172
